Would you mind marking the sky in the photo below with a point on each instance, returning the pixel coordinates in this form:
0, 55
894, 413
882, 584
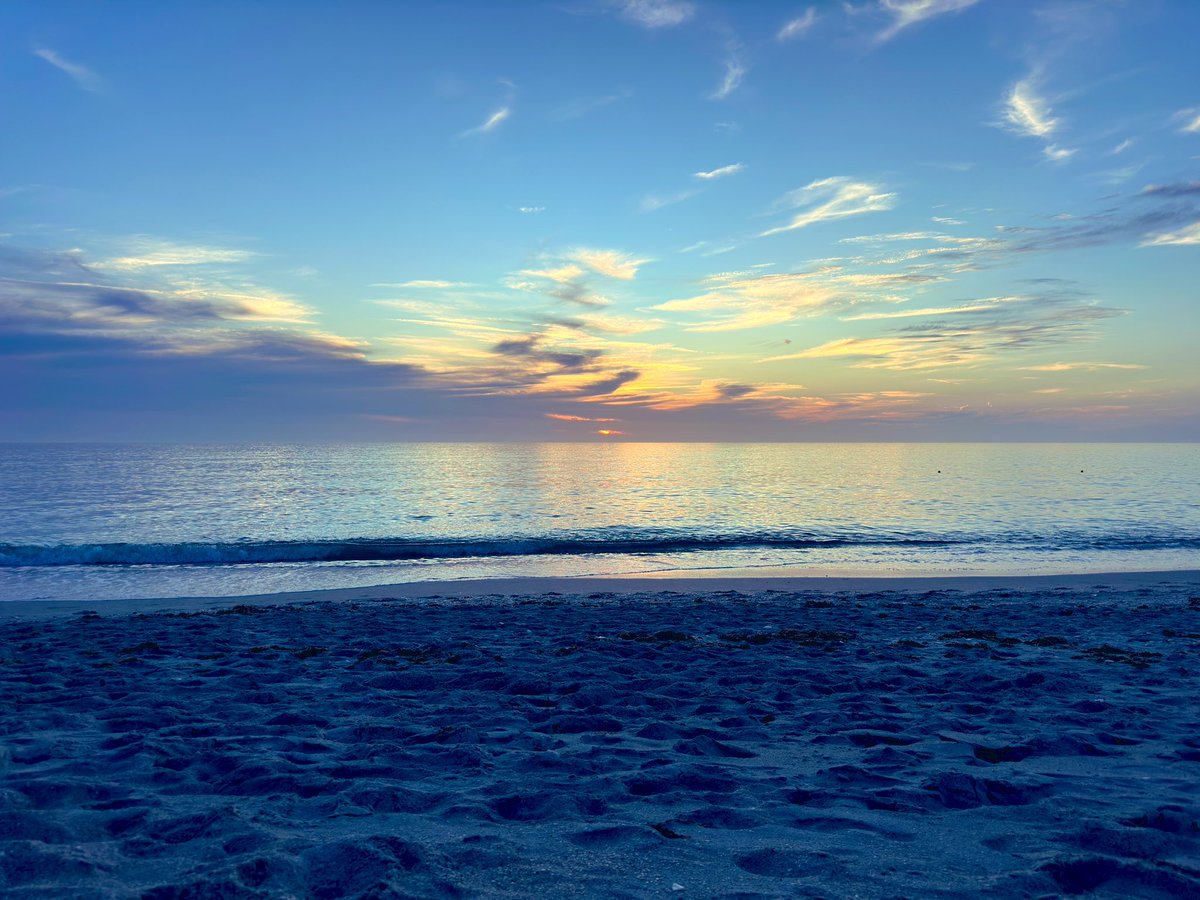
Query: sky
600, 220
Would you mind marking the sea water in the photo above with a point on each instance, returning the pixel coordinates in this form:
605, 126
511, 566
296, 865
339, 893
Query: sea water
108, 521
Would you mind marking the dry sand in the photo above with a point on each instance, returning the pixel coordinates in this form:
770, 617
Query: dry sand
617, 737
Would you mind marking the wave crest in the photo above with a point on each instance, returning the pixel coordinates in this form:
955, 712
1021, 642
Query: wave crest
628, 542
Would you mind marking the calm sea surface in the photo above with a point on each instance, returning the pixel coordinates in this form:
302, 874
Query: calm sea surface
109, 521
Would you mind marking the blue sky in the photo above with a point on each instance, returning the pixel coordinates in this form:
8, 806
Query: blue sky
886, 219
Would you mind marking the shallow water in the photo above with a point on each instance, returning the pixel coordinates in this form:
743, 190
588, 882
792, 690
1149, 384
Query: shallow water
125, 520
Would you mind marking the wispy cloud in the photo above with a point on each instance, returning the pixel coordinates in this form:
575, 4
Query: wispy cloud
1189, 120
149, 254
799, 26
613, 263
785, 401
1055, 153
1079, 366
491, 123
182, 363
70, 295
655, 13
562, 417
531, 210
419, 283
1188, 236
1118, 176
1163, 213
833, 198
1123, 146
559, 274
605, 323
978, 306
652, 202
1026, 113
888, 238
973, 334
734, 301
82, 75
533, 348
568, 274
1189, 189
735, 72
906, 13
580, 107
720, 173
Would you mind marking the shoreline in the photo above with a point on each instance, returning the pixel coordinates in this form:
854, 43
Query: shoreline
532, 586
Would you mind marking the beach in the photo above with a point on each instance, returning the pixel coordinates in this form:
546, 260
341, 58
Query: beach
610, 738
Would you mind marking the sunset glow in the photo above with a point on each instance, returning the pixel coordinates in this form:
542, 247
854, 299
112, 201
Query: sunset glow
968, 220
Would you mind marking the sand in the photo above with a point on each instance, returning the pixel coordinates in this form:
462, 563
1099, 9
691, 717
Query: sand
613, 738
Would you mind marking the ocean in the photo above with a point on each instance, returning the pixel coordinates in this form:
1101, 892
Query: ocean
108, 521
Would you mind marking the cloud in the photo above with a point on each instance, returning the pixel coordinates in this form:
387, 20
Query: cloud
610, 384
1123, 146
1026, 113
580, 107
420, 283
567, 271
1109, 226
112, 361
1175, 189
978, 306
569, 286
782, 401
607, 323
1117, 176
1190, 119
833, 198
721, 172
734, 301
578, 292
655, 13
531, 347
531, 210
561, 274
797, 27
82, 75
652, 202
894, 236
973, 334
1079, 366
491, 123
906, 13
1163, 213
1188, 236
553, 357
179, 311
566, 418
734, 73
150, 253
613, 263
1055, 153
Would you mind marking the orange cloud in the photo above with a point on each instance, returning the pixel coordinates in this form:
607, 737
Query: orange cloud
563, 418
